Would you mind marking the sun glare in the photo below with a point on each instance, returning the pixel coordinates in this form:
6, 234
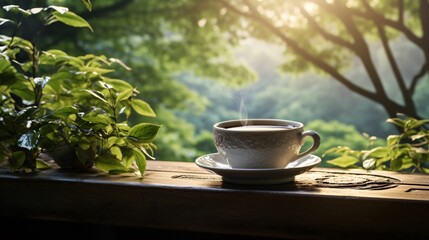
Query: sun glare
311, 7
202, 22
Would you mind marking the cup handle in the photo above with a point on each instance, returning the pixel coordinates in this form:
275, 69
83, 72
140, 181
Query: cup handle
314, 147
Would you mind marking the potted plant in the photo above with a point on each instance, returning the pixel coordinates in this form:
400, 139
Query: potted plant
50, 100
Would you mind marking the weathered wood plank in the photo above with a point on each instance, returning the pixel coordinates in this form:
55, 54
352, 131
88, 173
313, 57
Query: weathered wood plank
182, 196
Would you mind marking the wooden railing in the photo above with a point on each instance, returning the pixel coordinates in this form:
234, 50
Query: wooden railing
178, 196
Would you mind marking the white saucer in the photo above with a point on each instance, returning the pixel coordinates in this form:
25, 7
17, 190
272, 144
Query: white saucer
215, 163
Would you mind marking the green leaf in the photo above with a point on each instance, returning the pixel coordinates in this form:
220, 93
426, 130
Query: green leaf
377, 152
54, 56
71, 19
338, 150
8, 73
97, 94
406, 164
35, 10
111, 141
66, 111
105, 85
382, 161
140, 160
128, 156
17, 160
103, 119
84, 143
59, 9
115, 60
96, 71
16, 9
418, 136
396, 164
4, 65
396, 121
142, 108
28, 140
124, 95
419, 123
400, 151
123, 127
55, 53
119, 85
87, 4
4, 20
116, 151
21, 43
421, 150
393, 140
108, 163
344, 161
126, 110
40, 164
144, 132
143, 149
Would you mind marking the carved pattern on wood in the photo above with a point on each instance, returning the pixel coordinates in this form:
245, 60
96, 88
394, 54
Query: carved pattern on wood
323, 179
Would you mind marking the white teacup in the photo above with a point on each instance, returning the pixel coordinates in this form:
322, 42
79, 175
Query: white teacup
262, 143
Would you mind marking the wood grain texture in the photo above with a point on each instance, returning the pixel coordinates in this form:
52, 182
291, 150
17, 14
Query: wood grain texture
181, 196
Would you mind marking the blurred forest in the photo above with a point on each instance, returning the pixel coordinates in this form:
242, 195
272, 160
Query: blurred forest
199, 62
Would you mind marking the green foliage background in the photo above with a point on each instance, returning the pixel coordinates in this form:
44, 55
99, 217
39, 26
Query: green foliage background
194, 73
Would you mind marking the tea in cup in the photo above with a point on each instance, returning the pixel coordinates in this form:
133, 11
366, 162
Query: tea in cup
262, 143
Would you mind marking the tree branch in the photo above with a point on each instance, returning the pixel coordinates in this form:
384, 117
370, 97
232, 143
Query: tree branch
253, 14
417, 77
392, 61
376, 17
401, 12
330, 37
424, 19
361, 47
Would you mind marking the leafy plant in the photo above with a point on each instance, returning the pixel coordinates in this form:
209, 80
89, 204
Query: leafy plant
404, 152
49, 99
335, 133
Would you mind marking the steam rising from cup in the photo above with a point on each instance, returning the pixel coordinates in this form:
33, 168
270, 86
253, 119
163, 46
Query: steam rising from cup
242, 111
